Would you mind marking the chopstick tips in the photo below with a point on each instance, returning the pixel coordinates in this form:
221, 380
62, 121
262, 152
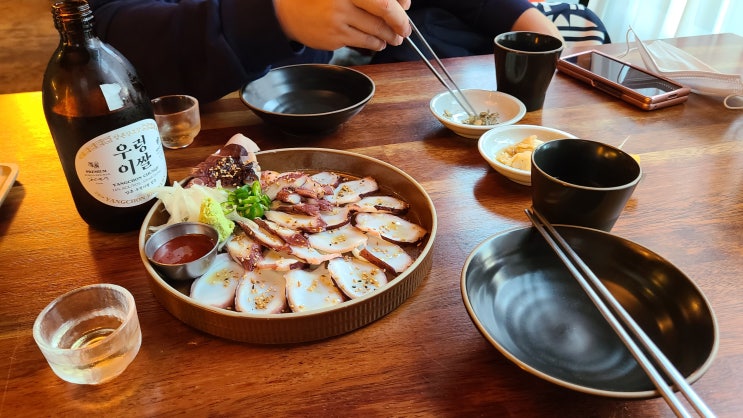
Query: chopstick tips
448, 82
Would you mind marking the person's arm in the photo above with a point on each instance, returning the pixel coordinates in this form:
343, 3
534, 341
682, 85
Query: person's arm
367, 24
206, 48
492, 17
535, 21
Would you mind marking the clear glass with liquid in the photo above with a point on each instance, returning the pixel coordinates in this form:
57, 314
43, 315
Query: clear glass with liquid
178, 119
89, 335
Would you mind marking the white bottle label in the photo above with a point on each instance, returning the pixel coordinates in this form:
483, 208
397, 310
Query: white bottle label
112, 94
120, 168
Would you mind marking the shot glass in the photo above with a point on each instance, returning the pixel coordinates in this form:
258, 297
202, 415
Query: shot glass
178, 119
525, 63
89, 335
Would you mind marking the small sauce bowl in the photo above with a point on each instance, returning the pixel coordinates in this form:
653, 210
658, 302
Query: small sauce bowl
183, 250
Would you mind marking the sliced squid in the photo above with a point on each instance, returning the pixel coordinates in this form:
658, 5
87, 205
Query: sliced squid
311, 255
339, 240
310, 290
262, 235
288, 196
290, 236
268, 177
327, 178
261, 291
217, 286
381, 204
384, 254
279, 261
356, 277
352, 191
289, 180
322, 204
296, 221
247, 144
312, 189
300, 207
244, 250
336, 217
390, 227
326, 221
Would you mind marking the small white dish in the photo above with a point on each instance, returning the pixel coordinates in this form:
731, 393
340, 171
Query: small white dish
495, 140
8, 174
449, 112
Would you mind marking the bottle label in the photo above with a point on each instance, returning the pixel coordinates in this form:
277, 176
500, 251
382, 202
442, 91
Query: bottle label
120, 168
112, 94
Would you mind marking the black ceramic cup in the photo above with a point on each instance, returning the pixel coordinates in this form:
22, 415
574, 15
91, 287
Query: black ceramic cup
525, 63
582, 182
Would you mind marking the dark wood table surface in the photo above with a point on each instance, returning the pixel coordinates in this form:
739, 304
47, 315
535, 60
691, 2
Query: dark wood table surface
425, 358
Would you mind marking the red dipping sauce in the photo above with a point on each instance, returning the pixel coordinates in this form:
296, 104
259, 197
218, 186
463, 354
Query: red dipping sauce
183, 249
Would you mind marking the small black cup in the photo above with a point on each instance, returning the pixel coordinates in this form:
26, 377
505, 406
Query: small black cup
582, 182
525, 63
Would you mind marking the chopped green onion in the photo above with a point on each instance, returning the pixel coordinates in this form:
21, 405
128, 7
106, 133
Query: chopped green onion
248, 201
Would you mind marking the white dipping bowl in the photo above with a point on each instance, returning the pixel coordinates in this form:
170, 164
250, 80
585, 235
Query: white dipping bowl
495, 140
510, 110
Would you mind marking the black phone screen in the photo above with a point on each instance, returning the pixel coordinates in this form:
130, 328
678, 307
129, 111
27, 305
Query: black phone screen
621, 73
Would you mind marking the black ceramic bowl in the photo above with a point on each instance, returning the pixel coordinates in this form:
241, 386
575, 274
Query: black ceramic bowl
525, 302
308, 98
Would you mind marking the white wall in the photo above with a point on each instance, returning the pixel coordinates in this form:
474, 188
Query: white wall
655, 19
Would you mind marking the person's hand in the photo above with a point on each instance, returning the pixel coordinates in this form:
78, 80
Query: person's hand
332, 24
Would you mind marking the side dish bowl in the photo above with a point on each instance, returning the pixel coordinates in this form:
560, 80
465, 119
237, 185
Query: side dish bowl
165, 239
316, 324
492, 142
525, 302
450, 113
8, 174
308, 98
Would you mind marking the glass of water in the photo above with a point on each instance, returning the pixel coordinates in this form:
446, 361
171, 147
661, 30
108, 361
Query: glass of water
89, 335
178, 119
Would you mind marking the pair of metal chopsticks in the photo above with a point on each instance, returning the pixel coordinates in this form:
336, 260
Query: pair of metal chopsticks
618, 318
448, 82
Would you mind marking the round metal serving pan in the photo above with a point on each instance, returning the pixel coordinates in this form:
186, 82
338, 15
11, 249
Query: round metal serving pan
525, 303
322, 323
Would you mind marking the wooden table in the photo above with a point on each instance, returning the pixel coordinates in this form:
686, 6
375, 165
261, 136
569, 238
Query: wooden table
425, 358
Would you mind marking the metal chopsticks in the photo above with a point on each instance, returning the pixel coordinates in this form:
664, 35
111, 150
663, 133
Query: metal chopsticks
453, 89
593, 287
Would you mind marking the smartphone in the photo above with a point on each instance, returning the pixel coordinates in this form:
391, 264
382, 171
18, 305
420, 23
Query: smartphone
623, 80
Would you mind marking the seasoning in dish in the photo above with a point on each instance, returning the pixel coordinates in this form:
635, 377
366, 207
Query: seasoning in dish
480, 119
518, 155
183, 249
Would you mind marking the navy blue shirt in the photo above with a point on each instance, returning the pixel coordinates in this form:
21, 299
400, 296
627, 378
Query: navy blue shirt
209, 48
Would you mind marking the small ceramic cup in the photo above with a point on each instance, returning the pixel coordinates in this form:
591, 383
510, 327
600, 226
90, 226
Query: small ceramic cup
582, 182
525, 63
